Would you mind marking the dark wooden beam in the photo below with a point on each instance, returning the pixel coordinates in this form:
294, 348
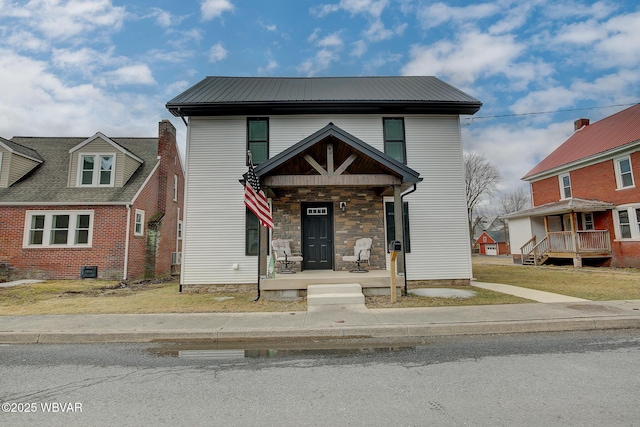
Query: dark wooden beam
367, 180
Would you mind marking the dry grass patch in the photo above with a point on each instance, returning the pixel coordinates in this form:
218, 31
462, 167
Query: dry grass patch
109, 297
597, 284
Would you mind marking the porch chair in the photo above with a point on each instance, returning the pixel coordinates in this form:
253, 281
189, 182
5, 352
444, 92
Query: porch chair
282, 253
361, 254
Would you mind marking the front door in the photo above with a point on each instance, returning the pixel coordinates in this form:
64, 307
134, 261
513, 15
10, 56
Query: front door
317, 236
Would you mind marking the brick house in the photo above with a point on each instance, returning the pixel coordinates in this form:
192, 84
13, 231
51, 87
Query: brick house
338, 158
72, 207
586, 205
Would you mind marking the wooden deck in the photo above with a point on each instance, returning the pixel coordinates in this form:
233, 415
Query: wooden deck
579, 245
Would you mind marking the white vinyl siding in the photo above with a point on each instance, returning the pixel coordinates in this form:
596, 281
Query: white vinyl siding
440, 246
14, 167
214, 217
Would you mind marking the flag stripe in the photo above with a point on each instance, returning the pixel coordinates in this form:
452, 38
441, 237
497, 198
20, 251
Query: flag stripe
255, 199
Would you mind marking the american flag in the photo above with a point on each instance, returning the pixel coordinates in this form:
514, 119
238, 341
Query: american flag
255, 199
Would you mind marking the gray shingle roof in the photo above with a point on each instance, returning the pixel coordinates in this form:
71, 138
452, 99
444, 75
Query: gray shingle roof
290, 95
19, 149
47, 183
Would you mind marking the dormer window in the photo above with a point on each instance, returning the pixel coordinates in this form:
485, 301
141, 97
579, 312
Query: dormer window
96, 170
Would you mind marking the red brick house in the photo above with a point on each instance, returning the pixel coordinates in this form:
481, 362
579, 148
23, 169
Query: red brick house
84, 207
586, 202
492, 243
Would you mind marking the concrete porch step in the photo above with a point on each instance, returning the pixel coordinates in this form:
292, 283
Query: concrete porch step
338, 294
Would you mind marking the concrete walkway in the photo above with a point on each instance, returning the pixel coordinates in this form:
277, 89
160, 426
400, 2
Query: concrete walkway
531, 294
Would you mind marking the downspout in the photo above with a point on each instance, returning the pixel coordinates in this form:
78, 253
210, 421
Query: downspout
126, 244
404, 246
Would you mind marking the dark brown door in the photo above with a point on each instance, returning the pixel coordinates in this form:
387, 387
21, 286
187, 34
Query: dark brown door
317, 236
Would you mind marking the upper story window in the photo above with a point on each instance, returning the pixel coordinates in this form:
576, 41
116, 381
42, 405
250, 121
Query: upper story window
624, 174
394, 141
628, 222
258, 139
58, 228
96, 170
565, 186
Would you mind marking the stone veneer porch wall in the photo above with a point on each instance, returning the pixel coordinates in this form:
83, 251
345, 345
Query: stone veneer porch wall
364, 217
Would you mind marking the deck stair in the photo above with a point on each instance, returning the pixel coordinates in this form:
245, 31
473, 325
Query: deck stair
339, 294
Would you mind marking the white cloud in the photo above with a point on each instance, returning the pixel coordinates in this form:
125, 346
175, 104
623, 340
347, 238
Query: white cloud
213, 8
176, 88
217, 52
269, 68
165, 19
62, 20
377, 31
331, 41
130, 75
25, 40
320, 62
381, 59
354, 7
515, 149
437, 14
359, 48
462, 61
37, 102
330, 47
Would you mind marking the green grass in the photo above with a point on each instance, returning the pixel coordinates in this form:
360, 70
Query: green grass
597, 284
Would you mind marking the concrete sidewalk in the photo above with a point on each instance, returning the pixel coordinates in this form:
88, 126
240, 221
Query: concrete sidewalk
328, 322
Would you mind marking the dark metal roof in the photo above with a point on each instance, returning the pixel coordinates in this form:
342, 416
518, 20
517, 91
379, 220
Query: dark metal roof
380, 159
47, 183
295, 95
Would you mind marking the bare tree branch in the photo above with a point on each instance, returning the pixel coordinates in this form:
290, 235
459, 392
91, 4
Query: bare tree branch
514, 201
481, 178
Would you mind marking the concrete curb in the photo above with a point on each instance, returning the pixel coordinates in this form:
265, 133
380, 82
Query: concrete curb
312, 334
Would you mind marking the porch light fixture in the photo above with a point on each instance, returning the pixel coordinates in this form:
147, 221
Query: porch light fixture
343, 206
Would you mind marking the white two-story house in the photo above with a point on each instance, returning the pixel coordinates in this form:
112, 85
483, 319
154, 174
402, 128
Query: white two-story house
336, 158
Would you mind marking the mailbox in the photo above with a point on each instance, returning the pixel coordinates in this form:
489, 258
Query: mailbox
395, 246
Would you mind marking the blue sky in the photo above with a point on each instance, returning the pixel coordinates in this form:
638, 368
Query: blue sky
78, 67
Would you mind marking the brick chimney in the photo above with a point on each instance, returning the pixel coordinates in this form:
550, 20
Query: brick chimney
580, 123
166, 152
